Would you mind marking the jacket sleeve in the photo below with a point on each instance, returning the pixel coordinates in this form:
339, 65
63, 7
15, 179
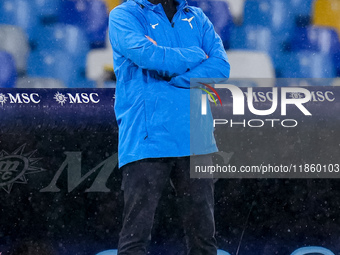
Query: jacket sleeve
127, 35
216, 66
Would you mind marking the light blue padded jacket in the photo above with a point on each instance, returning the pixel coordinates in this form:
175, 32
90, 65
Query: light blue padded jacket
152, 101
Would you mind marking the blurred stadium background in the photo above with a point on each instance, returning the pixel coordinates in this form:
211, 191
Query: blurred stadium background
63, 43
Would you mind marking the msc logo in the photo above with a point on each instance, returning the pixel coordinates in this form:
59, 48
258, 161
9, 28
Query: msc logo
20, 98
77, 98
14, 167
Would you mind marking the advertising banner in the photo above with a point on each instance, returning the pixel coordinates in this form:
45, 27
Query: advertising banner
276, 170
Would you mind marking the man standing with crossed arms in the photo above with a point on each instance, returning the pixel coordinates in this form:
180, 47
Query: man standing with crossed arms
158, 45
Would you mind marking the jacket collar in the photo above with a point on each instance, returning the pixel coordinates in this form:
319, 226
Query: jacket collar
147, 4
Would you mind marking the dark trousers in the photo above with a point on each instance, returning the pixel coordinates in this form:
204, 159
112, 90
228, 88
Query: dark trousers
143, 183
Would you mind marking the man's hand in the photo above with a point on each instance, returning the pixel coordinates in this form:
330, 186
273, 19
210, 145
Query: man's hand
151, 40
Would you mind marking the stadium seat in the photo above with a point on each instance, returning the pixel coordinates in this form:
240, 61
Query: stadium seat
110, 4
273, 14
312, 250
90, 15
302, 10
57, 64
252, 65
68, 38
97, 61
48, 10
301, 7
8, 72
306, 64
21, 13
327, 13
14, 40
218, 13
318, 39
38, 82
236, 10
257, 38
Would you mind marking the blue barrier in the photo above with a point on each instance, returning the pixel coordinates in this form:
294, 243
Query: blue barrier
114, 252
58, 158
60, 106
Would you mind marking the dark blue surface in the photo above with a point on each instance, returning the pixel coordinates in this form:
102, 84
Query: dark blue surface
90, 15
276, 216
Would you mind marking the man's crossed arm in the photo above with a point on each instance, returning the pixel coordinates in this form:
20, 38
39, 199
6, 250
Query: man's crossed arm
127, 34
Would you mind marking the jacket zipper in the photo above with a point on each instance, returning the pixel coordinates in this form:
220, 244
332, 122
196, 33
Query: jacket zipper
172, 24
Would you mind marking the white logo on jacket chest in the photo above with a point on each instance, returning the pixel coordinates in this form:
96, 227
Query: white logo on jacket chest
154, 26
189, 21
